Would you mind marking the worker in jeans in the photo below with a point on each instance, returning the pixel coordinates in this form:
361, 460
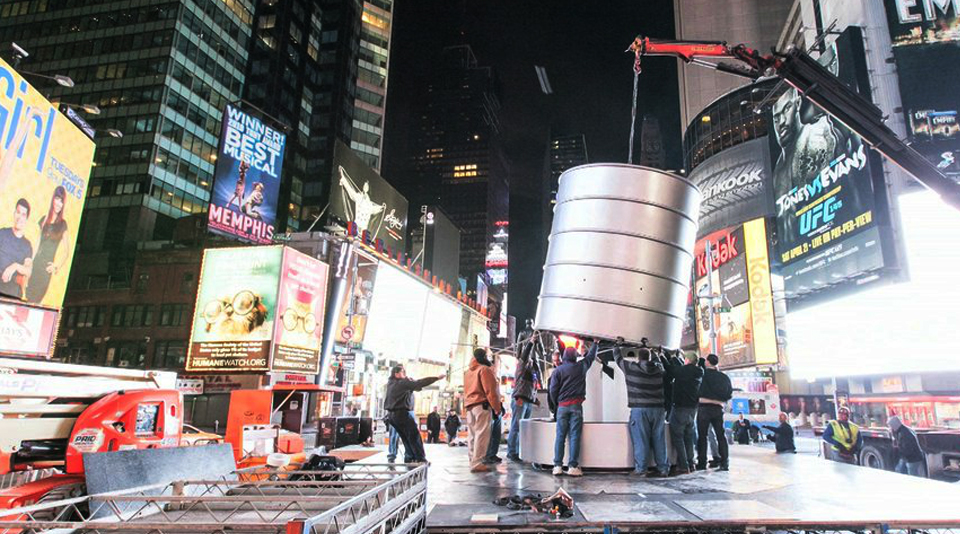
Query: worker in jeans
524, 397
686, 377
394, 444
399, 404
568, 386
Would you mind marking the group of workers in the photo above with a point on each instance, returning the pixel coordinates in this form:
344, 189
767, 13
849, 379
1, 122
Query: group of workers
681, 389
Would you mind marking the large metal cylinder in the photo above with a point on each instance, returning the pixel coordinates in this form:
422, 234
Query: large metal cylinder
620, 252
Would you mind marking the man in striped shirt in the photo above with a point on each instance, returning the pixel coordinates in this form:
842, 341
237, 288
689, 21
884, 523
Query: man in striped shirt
644, 377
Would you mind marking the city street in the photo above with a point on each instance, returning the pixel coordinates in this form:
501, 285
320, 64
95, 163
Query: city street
761, 487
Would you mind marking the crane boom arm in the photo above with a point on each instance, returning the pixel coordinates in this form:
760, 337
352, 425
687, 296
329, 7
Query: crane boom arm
820, 87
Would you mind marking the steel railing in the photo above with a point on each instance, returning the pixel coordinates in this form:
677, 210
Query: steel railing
365, 498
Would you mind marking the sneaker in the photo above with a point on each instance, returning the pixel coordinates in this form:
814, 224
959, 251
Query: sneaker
714, 464
513, 458
575, 472
480, 469
678, 471
701, 467
657, 474
557, 471
724, 468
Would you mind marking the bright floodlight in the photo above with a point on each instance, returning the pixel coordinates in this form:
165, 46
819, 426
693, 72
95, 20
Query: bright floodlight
91, 109
895, 328
115, 133
65, 81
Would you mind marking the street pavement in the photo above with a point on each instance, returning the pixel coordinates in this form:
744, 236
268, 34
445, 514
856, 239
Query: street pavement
760, 486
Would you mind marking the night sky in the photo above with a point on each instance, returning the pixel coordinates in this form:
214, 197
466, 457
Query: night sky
581, 45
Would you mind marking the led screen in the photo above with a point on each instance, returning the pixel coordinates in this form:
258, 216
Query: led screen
899, 328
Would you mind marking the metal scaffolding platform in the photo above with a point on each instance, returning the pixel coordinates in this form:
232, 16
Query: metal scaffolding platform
365, 498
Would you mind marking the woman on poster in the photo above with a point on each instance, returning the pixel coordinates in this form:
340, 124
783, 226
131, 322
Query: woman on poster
53, 231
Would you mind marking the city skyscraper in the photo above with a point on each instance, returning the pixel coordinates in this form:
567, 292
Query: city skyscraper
564, 152
756, 23
458, 161
159, 73
320, 68
652, 153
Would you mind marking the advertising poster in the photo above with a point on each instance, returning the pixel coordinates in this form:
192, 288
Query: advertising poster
236, 309
736, 185
26, 330
824, 186
926, 48
356, 300
246, 182
300, 312
361, 196
743, 319
45, 163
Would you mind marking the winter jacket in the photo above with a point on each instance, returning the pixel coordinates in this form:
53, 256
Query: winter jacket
906, 445
399, 397
741, 431
644, 382
715, 387
452, 424
784, 437
433, 422
686, 383
480, 385
524, 376
568, 384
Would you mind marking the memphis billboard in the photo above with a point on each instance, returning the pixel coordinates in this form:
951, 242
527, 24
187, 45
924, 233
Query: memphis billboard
829, 190
246, 184
45, 166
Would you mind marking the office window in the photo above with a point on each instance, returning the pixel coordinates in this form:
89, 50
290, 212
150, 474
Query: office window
186, 283
170, 355
173, 315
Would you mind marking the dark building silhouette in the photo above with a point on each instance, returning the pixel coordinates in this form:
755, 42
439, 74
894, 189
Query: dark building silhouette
652, 153
457, 160
319, 67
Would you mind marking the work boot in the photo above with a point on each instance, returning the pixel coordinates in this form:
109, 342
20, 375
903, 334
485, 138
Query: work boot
480, 469
724, 468
701, 467
575, 472
714, 463
557, 471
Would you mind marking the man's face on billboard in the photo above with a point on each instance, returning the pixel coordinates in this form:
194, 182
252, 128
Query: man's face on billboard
785, 118
20, 215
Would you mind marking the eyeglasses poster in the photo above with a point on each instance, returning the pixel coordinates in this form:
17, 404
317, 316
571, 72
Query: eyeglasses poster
236, 309
300, 310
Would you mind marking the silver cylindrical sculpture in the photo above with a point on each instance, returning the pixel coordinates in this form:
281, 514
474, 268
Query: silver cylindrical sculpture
620, 253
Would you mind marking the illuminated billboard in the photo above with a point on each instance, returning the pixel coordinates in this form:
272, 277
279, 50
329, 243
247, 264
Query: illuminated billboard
925, 38
743, 322
361, 196
27, 330
243, 204
736, 185
300, 311
827, 183
45, 163
894, 328
356, 300
236, 309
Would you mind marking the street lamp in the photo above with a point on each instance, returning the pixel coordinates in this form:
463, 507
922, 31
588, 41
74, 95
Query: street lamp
19, 54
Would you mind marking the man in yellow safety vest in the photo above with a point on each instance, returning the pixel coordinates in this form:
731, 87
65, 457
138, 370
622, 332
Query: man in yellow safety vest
844, 437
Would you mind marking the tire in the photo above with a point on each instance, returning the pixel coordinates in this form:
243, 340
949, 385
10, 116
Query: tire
873, 457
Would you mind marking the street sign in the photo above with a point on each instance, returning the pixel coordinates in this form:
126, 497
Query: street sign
190, 386
347, 333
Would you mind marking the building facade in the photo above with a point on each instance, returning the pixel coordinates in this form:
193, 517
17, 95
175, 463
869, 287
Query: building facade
755, 23
319, 68
458, 161
160, 73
